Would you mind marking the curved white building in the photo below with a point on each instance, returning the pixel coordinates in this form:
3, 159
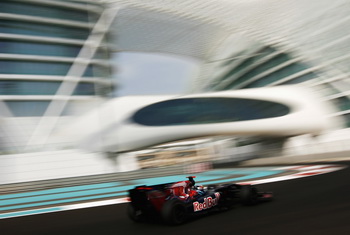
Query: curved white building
56, 55
54, 61
247, 44
251, 44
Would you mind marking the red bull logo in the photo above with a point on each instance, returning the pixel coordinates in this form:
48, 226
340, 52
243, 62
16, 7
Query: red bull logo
208, 202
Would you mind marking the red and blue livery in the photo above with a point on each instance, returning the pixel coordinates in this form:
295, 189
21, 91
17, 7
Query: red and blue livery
176, 202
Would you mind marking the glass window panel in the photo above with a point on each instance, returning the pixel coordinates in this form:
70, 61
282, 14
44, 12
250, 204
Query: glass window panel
27, 108
38, 68
207, 110
343, 103
103, 89
97, 71
32, 48
347, 119
36, 29
48, 49
246, 63
275, 61
277, 75
48, 68
31, 9
102, 53
302, 78
84, 89
12, 87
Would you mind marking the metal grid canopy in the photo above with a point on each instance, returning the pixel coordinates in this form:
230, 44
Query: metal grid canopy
157, 24
313, 32
155, 31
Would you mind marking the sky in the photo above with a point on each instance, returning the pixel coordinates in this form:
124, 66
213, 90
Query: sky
153, 74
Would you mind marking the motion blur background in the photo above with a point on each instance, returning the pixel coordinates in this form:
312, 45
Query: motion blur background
61, 59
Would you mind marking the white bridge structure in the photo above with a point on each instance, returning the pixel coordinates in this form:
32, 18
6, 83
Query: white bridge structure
132, 123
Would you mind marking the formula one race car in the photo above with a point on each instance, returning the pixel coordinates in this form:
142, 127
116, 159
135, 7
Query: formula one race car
176, 202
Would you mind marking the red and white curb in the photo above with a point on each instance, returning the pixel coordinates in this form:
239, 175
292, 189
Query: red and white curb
64, 208
94, 204
300, 172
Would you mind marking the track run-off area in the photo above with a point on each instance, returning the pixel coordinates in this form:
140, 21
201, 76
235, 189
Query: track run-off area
21, 203
319, 204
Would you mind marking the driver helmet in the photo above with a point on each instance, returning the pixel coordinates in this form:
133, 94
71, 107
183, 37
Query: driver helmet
200, 187
200, 190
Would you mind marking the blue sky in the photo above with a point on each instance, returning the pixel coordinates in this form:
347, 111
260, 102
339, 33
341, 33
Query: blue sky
153, 74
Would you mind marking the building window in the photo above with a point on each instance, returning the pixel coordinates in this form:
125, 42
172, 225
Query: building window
32, 48
48, 68
36, 29
45, 49
193, 111
347, 119
302, 78
277, 75
13, 87
343, 103
27, 8
27, 108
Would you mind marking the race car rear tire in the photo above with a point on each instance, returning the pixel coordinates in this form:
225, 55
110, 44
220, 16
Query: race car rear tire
134, 215
174, 212
248, 195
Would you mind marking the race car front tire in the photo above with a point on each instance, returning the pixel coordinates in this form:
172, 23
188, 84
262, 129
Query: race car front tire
174, 212
248, 195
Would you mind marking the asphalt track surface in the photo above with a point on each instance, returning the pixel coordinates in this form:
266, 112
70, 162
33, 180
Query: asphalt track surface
311, 205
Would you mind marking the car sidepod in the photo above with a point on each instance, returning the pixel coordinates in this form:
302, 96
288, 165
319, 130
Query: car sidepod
206, 202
